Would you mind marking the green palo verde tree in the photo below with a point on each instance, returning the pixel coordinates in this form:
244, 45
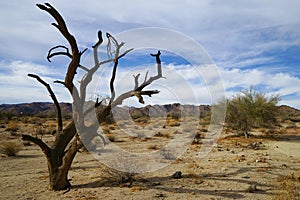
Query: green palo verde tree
250, 109
61, 152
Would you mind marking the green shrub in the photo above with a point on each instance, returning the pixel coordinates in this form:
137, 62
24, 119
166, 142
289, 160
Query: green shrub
251, 109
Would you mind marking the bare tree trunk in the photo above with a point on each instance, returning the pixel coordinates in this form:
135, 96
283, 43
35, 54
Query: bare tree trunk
67, 142
59, 160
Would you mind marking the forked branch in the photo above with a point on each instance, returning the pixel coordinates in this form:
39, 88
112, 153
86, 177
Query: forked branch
138, 89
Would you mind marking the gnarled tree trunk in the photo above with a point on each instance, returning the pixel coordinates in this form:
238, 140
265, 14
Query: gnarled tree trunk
61, 153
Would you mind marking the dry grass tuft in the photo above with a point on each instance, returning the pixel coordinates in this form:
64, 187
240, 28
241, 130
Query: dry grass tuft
289, 187
9, 148
12, 126
137, 188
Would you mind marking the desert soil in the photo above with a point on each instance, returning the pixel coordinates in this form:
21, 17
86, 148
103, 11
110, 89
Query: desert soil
236, 168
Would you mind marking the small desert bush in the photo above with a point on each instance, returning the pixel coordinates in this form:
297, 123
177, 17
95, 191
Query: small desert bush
12, 126
173, 123
158, 134
123, 178
289, 187
164, 134
9, 148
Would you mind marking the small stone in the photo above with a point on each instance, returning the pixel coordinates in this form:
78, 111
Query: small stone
156, 184
224, 169
177, 175
159, 195
252, 188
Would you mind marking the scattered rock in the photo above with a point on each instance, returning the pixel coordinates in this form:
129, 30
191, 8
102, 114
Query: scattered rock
159, 195
252, 188
156, 184
255, 145
284, 165
177, 175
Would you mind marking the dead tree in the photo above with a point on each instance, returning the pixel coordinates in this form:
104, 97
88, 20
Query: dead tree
67, 142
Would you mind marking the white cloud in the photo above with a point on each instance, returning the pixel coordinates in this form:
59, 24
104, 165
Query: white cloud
282, 84
236, 34
182, 84
16, 86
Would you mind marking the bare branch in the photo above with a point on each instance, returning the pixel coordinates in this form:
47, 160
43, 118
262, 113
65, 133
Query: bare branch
146, 76
138, 90
62, 27
136, 80
113, 76
118, 46
50, 54
55, 101
100, 39
40, 143
84, 68
132, 93
60, 82
95, 47
153, 78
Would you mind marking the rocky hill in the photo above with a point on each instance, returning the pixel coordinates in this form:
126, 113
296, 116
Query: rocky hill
40, 109
45, 109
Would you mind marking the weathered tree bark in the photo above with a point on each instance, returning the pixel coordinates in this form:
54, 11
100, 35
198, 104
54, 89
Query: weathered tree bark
58, 160
61, 153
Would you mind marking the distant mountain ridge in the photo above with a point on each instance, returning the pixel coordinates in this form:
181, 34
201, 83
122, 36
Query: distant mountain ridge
47, 109
41, 109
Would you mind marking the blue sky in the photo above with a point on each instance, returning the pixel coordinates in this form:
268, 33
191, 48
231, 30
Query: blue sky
253, 42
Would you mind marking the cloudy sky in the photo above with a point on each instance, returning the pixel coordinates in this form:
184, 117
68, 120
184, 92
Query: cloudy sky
241, 43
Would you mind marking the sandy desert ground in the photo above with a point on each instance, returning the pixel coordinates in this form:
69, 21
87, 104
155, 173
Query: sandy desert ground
259, 167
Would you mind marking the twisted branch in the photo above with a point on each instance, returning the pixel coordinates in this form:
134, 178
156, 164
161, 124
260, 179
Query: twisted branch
76, 54
50, 54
